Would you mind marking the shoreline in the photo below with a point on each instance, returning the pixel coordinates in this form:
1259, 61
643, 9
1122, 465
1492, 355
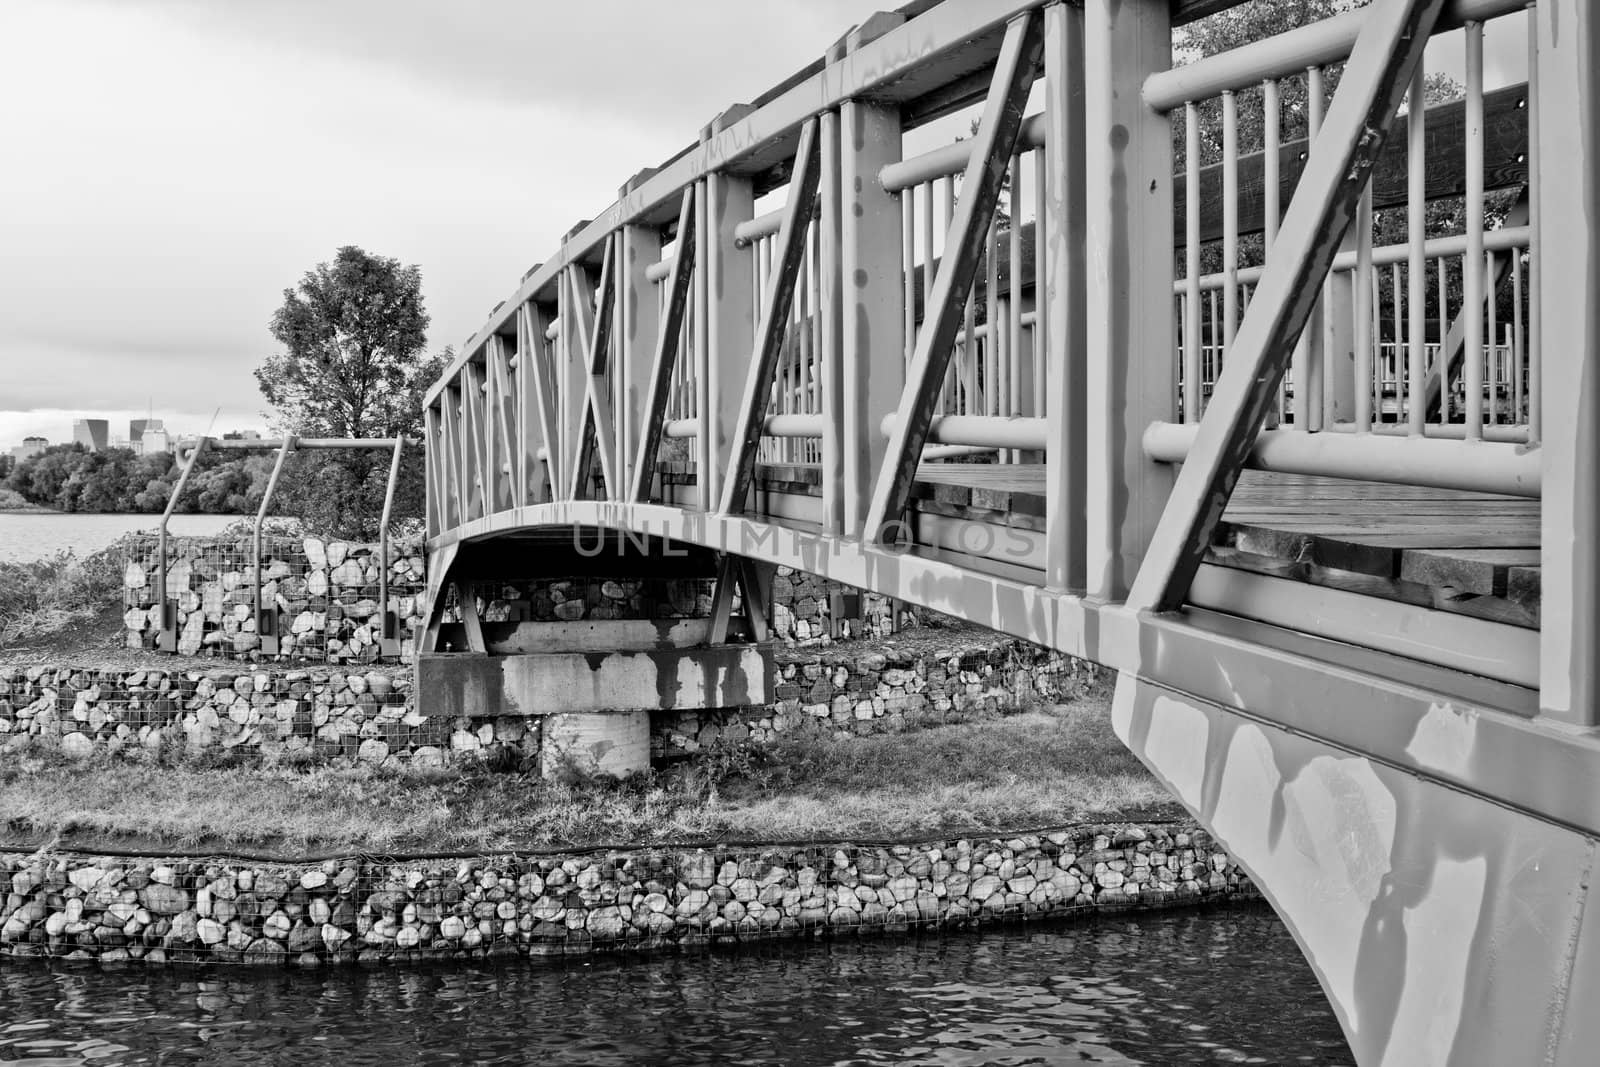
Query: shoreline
171, 907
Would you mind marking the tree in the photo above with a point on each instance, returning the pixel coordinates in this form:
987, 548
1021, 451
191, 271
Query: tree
353, 366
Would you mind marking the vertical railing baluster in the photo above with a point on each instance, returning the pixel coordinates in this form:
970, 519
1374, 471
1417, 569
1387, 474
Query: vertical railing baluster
1416, 251
1518, 412
1444, 332
1472, 263
1536, 228
1364, 377
1039, 336
1271, 116
1016, 362
991, 316
1191, 259
1230, 219
1493, 370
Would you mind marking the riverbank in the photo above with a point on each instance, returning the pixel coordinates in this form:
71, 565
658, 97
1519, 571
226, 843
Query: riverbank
1045, 767
161, 908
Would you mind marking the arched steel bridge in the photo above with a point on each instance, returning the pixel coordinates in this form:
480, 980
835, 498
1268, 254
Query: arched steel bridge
1045, 378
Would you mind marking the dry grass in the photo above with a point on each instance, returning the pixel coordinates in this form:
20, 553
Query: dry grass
48, 596
1043, 767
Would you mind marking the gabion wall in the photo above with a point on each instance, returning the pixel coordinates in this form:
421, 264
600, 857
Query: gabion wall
367, 910
326, 591
330, 715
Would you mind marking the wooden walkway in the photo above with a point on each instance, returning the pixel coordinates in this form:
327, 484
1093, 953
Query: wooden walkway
1468, 553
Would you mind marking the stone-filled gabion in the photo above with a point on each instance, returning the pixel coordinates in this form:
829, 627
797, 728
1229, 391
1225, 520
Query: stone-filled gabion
596, 599
802, 608
340, 911
327, 592
855, 692
360, 715
328, 715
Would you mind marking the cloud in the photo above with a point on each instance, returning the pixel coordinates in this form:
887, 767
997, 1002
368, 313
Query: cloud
195, 159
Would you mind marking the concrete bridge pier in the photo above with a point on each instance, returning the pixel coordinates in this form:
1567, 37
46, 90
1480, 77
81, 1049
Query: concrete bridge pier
1445, 929
630, 634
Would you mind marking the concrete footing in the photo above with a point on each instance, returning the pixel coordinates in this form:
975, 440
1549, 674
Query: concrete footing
594, 706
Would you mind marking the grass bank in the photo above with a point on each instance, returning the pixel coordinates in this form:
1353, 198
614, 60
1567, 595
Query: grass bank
1043, 767
49, 597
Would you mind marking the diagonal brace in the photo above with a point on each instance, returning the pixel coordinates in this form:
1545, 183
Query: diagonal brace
594, 428
666, 355
775, 307
1014, 74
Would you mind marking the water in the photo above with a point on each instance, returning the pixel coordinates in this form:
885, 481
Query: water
1218, 987
29, 536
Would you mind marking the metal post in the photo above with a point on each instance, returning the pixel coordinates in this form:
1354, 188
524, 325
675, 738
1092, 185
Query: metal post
267, 630
1129, 190
168, 641
641, 324
1059, 299
1568, 194
873, 363
730, 322
389, 619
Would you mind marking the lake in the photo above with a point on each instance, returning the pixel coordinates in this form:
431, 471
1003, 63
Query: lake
1223, 986
26, 536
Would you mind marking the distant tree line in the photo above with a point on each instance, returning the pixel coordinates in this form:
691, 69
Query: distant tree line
72, 478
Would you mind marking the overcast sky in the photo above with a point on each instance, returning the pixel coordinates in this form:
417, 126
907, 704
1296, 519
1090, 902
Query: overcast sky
171, 166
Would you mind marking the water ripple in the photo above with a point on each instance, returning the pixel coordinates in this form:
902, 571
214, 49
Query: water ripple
1221, 987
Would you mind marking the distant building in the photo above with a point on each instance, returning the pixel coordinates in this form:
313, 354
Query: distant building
153, 440
137, 428
242, 435
93, 434
30, 447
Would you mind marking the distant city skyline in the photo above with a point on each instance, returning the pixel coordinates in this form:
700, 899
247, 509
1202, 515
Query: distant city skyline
56, 424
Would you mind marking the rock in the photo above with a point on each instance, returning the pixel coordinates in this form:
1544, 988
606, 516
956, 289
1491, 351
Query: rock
162, 899
210, 931
316, 553
133, 576
263, 952
77, 746
452, 928
605, 924
86, 878
313, 880
347, 575
697, 870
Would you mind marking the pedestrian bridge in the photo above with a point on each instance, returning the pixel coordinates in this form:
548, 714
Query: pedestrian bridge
978, 312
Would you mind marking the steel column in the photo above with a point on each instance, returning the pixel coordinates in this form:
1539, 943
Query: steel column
641, 325
1129, 379
730, 321
1060, 312
1568, 239
874, 308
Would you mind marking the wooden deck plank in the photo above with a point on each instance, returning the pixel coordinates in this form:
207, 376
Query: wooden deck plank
1467, 552
1483, 571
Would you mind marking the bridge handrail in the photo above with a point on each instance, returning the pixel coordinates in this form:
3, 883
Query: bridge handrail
769, 132
1291, 52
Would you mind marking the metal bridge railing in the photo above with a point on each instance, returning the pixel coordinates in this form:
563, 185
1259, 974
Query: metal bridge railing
827, 279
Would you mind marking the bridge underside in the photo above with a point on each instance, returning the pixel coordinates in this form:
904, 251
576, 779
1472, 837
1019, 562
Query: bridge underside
1422, 873
1418, 905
